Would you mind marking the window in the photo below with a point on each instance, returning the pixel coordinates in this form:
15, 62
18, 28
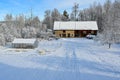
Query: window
72, 35
68, 34
64, 31
84, 32
63, 35
92, 32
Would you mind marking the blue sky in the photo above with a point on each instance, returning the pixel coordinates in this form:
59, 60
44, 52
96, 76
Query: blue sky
16, 7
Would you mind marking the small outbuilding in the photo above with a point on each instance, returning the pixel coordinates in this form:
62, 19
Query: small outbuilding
24, 43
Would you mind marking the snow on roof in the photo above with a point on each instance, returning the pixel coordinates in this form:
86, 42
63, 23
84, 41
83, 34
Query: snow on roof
75, 25
24, 41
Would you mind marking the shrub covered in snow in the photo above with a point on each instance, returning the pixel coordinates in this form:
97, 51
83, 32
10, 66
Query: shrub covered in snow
2, 39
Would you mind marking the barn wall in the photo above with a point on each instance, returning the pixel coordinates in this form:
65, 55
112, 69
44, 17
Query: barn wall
58, 33
25, 45
70, 33
74, 33
84, 33
65, 33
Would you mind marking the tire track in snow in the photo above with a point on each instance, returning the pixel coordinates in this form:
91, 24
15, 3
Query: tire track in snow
71, 60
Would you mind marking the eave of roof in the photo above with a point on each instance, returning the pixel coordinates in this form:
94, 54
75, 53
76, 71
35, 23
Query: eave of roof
75, 25
24, 41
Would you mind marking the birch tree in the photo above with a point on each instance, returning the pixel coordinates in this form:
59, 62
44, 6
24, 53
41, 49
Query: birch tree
56, 16
75, 10
48, 19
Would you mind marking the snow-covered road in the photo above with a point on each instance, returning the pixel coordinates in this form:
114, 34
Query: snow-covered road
65, 59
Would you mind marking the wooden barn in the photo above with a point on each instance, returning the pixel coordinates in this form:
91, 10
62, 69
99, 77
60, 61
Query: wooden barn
24, 43
71, 29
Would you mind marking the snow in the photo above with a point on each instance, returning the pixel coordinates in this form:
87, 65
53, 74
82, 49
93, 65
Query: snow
63, 59
75, 25
26, 41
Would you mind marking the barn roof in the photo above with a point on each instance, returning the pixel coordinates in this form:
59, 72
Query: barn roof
75, 25
24, 41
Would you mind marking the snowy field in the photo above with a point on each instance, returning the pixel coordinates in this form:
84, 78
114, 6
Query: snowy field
64, 59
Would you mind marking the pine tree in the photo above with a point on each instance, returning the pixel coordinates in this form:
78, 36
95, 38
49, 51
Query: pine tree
65, 16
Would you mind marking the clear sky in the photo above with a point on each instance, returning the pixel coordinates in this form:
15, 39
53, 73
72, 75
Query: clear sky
16, 7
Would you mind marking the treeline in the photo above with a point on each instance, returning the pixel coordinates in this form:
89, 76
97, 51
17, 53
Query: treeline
93, 13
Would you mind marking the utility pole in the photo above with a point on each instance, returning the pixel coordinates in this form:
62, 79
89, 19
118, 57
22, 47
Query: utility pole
31, 16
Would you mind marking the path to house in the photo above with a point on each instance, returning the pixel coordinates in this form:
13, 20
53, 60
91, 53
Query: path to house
65, 59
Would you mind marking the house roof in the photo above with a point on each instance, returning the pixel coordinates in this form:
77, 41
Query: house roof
75, 25
24, 41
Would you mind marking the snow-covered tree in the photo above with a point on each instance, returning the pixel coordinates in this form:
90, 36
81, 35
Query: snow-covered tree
20, 21
48, 19
56, 16
8, 18
99, 16
35, 22
65, 16
111, 23
2, 39
81, 16
75, 10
